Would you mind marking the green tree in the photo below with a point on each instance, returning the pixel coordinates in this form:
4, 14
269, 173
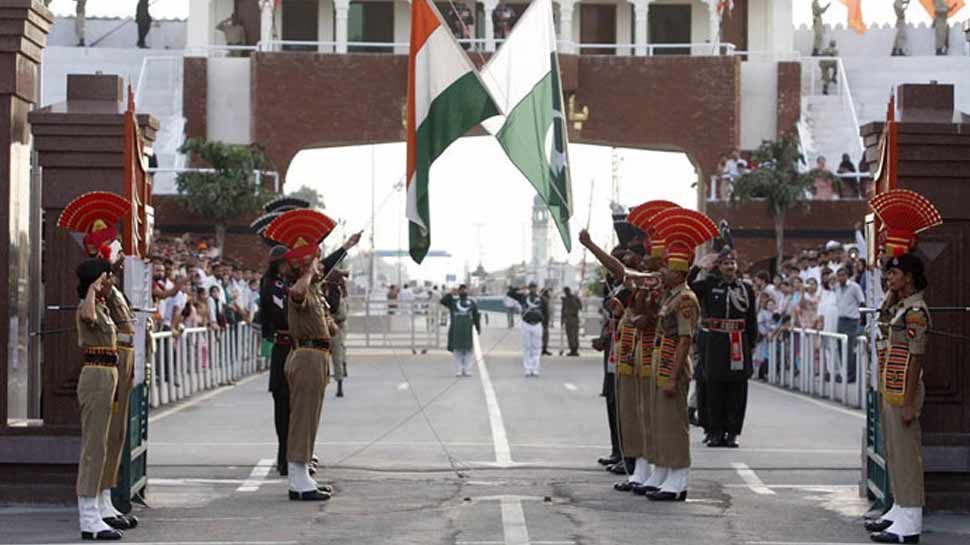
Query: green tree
778, 181
310, 195
227, 193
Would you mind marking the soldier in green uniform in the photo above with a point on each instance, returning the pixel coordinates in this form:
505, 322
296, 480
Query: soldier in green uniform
463, 316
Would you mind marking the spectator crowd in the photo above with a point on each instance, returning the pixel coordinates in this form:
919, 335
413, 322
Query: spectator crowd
847, 182
821, 289
195, 287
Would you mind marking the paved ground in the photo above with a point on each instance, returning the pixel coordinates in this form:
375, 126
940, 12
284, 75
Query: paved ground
489, 461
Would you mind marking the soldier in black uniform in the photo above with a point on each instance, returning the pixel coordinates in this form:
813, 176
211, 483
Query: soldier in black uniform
272, 303
730, 327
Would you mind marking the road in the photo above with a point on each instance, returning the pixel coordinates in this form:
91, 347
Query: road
418, 456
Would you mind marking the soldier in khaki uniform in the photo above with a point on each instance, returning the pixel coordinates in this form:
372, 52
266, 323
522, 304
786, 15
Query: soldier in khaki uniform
682, 231
96, 390
311, 328
904, 320
105, 381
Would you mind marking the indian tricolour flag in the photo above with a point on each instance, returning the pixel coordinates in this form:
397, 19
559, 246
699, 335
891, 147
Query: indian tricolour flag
524, 78
445, 99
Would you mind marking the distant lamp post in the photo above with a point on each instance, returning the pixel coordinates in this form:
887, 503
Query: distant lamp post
577, 117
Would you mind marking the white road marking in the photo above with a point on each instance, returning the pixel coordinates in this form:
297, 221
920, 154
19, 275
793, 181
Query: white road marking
196, 400
500, 439
754, 483
513, 522
570, 386
257, 477
858, 413
403, 386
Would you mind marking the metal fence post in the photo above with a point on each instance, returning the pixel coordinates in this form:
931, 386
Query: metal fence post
845, 376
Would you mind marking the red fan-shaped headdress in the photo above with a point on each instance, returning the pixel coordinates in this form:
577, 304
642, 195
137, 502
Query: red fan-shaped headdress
642, 217
683, 231
95, 214
904, 213
301, 231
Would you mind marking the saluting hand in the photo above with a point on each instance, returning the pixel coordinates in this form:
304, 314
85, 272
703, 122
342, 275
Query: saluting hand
353, 240
584, 237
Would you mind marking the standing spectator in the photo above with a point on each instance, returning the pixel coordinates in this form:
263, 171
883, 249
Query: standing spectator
406, 297
144, 21
823, 180
765, 323
503, 19
234, 32
464, 316
849, 298
217, 315
851, 188
572, 305
544, 296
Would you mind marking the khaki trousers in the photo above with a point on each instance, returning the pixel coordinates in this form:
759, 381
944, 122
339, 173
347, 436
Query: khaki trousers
95, 395
307, 373
647, 393
904, 452
629, 414
118, 426
671, 428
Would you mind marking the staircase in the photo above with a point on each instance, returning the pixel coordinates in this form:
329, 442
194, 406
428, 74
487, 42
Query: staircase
874, 82
827, 128
159, 92
830, 126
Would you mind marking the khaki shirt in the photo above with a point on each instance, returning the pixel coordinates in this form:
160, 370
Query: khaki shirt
904, 326
120, 312
678, 317
309, 319
102, 332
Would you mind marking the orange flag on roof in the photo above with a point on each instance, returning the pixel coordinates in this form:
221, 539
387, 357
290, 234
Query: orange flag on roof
955, 6
855, 15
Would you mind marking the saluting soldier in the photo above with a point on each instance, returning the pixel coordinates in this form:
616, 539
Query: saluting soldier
904, 320
103, 410
307, 368
463, 316
532, 317
682, 231
730, 327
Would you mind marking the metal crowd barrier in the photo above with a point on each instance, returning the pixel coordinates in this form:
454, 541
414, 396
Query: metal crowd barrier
815, 363
407, 325
201, 359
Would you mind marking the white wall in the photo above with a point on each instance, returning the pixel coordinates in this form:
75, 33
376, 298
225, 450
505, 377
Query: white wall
227, 105
58, 62
624, 19
164, 34
878, 40
759, 102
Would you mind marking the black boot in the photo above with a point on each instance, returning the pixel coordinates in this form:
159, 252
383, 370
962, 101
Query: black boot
340, 388
731, 441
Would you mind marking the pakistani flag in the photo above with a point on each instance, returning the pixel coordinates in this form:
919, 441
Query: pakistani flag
445, 99
524, 78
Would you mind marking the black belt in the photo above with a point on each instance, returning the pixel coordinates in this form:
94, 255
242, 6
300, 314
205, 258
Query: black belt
316, 344
723, 326
283, 338
100, 357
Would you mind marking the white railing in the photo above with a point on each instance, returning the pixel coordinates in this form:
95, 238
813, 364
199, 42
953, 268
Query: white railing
275, 176
201, 359
816, 362
720, 187
481, 44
